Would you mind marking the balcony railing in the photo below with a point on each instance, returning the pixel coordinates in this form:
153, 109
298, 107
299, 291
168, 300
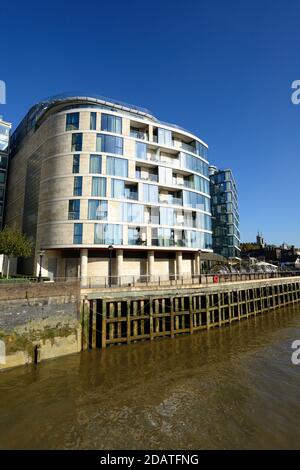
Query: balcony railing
139, 135
173, 201
131, 195
136, 241
74, 215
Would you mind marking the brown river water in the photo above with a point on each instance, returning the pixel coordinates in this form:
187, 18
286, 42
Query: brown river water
230, 388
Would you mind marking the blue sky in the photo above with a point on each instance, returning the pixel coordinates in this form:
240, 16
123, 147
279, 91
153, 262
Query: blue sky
222, 69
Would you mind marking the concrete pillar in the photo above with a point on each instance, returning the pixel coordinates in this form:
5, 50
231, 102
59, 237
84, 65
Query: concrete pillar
179, 262
197, 264
150, 264
83, 265
119, 254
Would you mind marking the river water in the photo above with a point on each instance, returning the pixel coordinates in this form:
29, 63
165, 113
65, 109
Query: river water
228, 388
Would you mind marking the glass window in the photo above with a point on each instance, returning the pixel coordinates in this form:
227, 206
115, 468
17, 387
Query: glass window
93, 121
111, 123
109, 144
76, 143
96, 164
132, 212
165, 175
74, 209
76, 163
3, 161
193, 163
166, 216
117, 189
2, 176
197, 201
116, 166
141, 150
164, 136
77, 186
150, 193
98, 186
77, 237
201, 150
97, 210
4, 137
108, 234
72, 122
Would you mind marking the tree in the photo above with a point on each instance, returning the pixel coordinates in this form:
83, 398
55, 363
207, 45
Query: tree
14, 244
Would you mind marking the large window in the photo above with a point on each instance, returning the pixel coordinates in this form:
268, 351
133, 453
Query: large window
163, 237
98, 186
197, 201
97, 210
74, 209
108, 234
77, 186
111, 123
150, 193
72, 122
76, 163
201, 184
141, 150
193, 163
116, 166
3, 161
93, 121
95, 164
165, 175
166, 216
109, 144
201, 150
164, 136
77, 237
4, 137
76, 143
132, 212
124, 190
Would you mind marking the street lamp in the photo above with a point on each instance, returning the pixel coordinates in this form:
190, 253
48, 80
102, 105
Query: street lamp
41, 254
199, 253
110, 249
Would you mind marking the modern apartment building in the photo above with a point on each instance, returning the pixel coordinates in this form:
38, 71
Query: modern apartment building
5, 128
225, 215
106, 189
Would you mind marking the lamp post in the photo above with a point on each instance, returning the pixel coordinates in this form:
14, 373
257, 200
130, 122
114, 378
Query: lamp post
199, 254
110, 249
41, 254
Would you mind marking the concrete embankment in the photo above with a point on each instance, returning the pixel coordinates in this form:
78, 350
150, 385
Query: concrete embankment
42, 321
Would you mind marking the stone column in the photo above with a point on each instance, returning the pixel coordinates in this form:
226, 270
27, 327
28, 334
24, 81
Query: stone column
150, 264
179, 263
84, 266
119, 254
197, 264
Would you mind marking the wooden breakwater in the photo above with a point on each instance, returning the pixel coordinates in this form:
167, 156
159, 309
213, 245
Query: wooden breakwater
109, 318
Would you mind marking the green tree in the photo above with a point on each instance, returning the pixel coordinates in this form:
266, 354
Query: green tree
14, 244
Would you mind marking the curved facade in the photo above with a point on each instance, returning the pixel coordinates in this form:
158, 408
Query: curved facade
88, 173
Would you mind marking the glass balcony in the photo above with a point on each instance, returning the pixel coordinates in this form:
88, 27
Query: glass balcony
74, 215
138, 134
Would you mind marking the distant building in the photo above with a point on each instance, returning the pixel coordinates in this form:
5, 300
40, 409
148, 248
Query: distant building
5, 128
225, 215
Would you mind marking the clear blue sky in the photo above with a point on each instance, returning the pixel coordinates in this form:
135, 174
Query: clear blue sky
222, 69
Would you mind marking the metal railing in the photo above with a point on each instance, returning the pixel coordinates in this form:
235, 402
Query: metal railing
178, 280
155, 280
